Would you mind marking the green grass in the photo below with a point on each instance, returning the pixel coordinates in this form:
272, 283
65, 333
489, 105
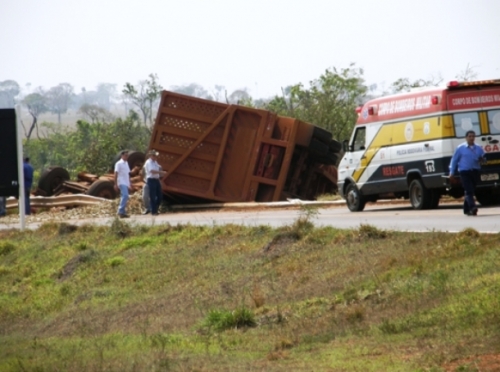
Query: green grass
192, 298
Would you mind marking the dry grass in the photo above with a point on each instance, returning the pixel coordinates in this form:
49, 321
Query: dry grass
125, 297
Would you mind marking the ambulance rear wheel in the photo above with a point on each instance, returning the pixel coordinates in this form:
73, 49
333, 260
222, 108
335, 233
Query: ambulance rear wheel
420, 197
355, 201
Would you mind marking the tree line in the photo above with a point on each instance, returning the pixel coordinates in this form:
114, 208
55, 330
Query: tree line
329, 101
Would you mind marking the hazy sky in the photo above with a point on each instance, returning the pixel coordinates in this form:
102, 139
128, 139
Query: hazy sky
262, 45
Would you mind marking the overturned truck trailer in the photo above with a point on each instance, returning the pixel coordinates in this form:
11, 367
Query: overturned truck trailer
229, 153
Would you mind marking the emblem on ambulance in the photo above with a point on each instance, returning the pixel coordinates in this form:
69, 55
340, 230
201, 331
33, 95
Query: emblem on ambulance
409, 131
429, 166
427, 128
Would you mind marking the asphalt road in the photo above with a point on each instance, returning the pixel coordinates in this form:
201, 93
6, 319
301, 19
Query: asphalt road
401, 217
448, 217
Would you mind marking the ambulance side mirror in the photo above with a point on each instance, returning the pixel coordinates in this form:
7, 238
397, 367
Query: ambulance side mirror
346, 147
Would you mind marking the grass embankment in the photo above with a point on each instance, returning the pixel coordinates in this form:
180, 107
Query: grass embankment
233, 298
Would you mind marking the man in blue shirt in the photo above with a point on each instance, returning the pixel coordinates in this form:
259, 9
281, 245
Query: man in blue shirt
467, 159
28, 182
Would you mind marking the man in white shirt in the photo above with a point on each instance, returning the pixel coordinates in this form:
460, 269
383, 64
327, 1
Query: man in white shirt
153, 173
122, 183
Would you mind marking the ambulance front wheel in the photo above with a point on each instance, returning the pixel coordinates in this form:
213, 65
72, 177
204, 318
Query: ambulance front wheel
355, 201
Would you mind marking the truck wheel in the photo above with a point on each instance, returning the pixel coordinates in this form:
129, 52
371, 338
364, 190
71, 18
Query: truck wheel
420, 197
51, 178
134, 158
329, 159
318, 148
322, 135
102, 189
355, 201
335, 146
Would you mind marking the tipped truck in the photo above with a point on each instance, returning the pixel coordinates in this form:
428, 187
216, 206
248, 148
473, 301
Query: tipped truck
229, 153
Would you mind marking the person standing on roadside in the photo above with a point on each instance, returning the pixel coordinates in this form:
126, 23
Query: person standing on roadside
145, 192
122, 183
3, 206
28, 182
153, 172
467, 160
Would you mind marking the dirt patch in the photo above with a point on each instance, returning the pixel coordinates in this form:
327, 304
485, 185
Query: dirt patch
71, 266
482, 363
280, 243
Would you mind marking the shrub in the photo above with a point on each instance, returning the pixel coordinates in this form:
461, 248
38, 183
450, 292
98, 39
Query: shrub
220, 320
120, 229
65, 228
371, 232
116, 261
6, 248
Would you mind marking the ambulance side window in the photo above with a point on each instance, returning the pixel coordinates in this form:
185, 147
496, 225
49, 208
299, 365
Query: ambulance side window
466, 121
359, 139
494, 121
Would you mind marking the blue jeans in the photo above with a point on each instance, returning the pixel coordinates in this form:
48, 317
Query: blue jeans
155, 194
123, 199
145, 198
469, 181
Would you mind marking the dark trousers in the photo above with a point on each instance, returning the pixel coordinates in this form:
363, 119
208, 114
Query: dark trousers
155, 194
469, 181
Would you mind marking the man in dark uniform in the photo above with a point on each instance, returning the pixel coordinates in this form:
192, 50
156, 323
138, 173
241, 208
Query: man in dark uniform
28, 182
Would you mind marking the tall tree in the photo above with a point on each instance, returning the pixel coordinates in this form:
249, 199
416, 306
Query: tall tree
468, 74
9, 89
219, 92
59, 99
95, 113
193, 90
144, 96
239, 97
105, 93
405, 85
36, 104
330, 101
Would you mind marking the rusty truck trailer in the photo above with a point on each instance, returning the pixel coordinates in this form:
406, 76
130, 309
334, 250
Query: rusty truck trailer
229, 153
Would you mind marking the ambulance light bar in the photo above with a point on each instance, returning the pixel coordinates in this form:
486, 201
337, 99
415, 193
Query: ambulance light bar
458, 84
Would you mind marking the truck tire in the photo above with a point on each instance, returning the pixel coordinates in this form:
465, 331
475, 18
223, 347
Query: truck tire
354, 200
329, 159
322, 135
318, 148
335, 146
51, 178
134, 158
102, 189
420, 197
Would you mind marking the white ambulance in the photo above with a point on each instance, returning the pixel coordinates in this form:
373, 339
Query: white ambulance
401, 145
